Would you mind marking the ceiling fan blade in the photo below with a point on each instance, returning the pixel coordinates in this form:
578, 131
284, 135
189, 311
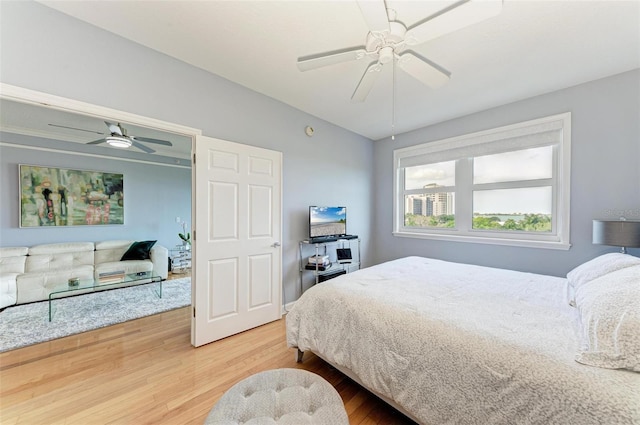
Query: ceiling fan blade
74, 128
455, 17
423, 70
96, 142
142, 147
148, 140
114, 128
375, 14
366, 82
306, 63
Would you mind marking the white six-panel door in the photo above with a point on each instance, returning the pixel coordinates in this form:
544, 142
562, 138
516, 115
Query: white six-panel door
236, 274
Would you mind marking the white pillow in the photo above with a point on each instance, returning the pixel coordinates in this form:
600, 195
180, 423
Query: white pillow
597, 267
609, 310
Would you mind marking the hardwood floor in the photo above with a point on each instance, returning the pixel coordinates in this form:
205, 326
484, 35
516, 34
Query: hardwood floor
146, 372
172, 275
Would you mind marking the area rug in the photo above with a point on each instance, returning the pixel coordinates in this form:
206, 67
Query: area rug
28, 324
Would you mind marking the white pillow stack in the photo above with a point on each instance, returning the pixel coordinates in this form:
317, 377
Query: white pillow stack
607, 295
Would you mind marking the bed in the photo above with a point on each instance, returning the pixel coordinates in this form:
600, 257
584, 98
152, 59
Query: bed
450, 343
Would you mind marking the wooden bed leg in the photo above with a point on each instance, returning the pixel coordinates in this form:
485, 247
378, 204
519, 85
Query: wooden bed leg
299, 355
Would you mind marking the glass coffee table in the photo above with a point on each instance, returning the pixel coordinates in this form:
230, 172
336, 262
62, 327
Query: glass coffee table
85, 286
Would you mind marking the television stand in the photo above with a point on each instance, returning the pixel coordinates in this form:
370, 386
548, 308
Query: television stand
327, 247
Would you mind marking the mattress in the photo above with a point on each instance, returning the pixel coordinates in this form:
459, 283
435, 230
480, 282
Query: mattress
455, 343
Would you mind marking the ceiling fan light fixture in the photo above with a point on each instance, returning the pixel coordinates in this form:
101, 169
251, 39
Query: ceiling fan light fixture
118, 142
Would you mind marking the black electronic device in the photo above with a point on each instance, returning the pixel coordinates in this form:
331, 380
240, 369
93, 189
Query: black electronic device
327, 224
344, 255
326, 276
318, 267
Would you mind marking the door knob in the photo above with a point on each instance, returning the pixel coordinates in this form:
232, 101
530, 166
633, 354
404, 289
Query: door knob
275, 244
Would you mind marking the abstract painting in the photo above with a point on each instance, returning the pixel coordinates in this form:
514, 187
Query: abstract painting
61, 197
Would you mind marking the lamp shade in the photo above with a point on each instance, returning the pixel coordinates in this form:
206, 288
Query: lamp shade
624, 233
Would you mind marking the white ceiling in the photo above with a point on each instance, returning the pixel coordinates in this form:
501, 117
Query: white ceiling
532, 47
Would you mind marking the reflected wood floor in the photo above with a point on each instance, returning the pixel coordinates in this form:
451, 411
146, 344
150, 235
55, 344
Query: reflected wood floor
146, 372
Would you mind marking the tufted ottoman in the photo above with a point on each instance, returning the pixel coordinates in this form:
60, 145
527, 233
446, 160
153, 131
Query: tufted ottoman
280, 396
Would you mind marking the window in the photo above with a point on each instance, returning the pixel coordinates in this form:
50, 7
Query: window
506, 186
429, 196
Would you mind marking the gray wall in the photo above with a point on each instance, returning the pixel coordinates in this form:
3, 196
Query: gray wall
154, 196
605, 175
45, 50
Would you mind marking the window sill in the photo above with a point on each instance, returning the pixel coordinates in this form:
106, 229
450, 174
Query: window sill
489, 241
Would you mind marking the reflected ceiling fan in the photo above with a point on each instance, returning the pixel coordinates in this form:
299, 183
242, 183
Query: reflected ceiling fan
118, 138
388, 39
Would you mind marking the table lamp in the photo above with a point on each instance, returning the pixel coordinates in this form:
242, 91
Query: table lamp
623, 233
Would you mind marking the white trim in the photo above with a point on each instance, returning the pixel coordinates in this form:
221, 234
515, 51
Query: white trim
20, 94
486, 240
187, 163
287, 307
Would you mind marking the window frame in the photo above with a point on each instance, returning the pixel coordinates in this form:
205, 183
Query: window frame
553, 131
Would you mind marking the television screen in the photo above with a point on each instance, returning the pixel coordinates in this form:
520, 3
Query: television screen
327, 221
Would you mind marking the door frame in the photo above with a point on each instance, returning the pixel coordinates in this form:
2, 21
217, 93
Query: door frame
46, 100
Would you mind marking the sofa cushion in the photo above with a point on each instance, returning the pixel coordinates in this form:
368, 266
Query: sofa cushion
61, 261
160, 258
36, 286
12, 263
12, 260
60, 248
59, 256
112, 252
109, 251
8, 289
13, 251
138, 251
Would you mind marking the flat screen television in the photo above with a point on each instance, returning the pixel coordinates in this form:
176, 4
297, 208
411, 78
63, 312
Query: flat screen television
327, 221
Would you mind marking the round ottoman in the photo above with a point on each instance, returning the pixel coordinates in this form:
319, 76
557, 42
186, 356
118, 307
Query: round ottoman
280, 396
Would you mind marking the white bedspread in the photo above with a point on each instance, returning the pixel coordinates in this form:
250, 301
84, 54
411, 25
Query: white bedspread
461, 344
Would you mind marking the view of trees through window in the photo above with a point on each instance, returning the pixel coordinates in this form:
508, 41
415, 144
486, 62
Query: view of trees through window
415, 220
515, 209
511, 222
518, 222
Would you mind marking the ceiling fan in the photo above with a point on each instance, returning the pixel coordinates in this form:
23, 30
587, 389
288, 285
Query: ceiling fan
118, 138
389, 38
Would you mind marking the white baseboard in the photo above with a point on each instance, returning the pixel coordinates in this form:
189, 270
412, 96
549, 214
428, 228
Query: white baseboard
287, 307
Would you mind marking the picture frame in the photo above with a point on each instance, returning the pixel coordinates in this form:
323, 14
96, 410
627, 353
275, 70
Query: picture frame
61, 197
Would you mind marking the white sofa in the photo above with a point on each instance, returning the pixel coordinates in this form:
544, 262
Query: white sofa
28, 274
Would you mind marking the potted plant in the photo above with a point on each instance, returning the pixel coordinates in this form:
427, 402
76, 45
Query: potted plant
185, 237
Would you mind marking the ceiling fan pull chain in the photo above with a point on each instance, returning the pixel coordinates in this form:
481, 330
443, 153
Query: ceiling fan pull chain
393, 100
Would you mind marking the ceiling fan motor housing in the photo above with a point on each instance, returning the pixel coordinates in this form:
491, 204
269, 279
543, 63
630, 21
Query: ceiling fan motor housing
386, 42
